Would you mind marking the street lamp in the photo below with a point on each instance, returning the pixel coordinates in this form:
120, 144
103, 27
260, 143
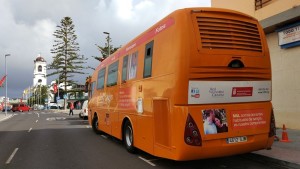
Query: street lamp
6, 85
108, 39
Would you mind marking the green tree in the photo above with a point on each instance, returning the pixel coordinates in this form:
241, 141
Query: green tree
38, 95
105, 50
66, 58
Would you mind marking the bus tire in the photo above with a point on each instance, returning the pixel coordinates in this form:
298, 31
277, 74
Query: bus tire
128, 137
95, 125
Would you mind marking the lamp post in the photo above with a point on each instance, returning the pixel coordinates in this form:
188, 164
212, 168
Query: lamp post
108, 39
6, 85
58, 97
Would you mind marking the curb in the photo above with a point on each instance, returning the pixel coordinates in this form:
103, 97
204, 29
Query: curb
271, 161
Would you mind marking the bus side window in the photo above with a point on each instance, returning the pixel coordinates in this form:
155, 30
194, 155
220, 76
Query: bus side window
112, 74
124, 69
91, 89
132, 65
101, 79
148, 59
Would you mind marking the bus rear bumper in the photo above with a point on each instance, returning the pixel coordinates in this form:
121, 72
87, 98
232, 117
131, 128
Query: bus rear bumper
221, 148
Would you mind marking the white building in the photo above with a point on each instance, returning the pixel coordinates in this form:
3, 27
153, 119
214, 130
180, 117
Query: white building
39, 72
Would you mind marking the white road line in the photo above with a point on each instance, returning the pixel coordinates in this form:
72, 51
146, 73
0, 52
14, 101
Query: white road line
29, 130
12, 155
8, 117
36, 121
104, 136
147, 161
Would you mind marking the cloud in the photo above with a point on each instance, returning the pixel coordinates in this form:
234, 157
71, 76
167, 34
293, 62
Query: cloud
27, 27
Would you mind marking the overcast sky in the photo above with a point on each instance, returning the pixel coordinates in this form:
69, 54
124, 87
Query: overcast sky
27, 27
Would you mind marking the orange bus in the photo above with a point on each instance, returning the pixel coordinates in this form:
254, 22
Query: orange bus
195, 85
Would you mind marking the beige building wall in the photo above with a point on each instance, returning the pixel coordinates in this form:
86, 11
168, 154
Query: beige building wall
285, 62
274, 7
248, 6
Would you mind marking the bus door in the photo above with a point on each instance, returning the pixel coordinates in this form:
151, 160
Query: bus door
103, 112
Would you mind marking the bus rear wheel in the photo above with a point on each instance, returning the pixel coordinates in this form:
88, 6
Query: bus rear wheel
128, 137
95, 125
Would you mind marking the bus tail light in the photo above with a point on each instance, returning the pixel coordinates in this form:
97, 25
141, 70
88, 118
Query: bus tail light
191, 134
272, 131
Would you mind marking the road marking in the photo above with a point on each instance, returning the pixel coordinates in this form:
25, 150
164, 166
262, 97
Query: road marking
29, 130
12, 155
104, 136
36, 121
8, 117
88, 127
55, 118
147, 161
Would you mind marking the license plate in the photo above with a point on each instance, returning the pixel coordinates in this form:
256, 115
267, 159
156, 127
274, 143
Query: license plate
236, 139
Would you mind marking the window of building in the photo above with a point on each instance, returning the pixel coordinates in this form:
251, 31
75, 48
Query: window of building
101, 78
40, 68
112, 75
148, 60
261, 3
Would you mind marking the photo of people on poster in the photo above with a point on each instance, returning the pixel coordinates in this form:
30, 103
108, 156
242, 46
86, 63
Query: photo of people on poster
214, 121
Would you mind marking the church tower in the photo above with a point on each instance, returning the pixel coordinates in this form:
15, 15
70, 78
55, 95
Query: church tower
39, 73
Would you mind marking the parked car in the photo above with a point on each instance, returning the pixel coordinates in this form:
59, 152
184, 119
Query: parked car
54, 106
20, 107
9, 107
84, 110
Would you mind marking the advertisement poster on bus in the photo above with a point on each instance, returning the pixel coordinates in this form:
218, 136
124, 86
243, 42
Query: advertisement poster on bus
127, 98
247, 119
205, 92
214, 121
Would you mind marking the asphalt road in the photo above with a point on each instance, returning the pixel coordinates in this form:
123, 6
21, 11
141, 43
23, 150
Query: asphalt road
49, 140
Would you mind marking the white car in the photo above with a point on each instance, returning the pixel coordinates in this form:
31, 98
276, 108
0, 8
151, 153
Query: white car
84, 110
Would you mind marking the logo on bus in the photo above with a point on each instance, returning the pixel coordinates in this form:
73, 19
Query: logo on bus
215, 92
241, 91
195, 92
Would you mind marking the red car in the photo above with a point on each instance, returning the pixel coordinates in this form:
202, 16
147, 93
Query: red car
20, 107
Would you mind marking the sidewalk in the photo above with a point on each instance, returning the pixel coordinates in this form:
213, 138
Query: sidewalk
67, 111
287, 152
282, 153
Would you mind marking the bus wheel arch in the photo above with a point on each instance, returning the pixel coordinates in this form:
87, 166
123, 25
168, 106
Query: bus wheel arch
127, 135
95, 121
